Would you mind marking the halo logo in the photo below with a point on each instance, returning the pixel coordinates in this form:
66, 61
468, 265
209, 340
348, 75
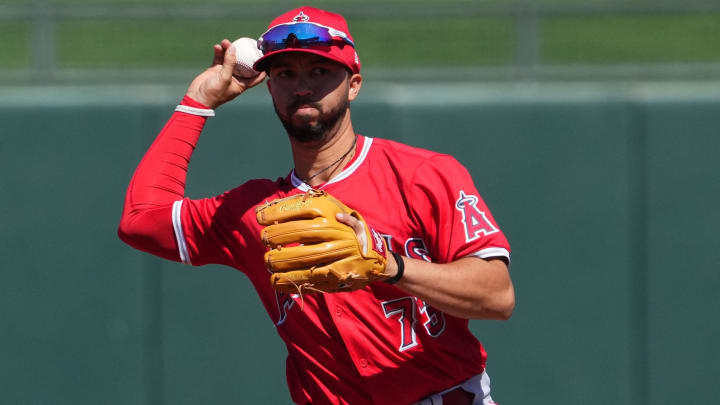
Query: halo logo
302, 17
475, 221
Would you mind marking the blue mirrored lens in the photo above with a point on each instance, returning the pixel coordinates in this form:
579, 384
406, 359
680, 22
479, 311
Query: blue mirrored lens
301, 35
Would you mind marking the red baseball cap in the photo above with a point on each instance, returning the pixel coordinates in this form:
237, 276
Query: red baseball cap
333, 25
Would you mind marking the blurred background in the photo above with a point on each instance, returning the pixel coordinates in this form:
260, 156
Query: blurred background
591, 129
80, 41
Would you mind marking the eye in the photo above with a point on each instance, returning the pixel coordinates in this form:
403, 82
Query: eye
319, 71
284, 73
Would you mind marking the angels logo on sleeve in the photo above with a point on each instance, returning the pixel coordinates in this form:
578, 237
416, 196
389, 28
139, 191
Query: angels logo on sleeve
475, 221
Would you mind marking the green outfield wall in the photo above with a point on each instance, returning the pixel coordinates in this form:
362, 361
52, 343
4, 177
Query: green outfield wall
609, 196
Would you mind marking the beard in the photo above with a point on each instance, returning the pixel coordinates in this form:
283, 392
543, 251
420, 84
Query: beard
307, 132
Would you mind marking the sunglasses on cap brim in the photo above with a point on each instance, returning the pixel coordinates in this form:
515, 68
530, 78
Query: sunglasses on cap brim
300, 35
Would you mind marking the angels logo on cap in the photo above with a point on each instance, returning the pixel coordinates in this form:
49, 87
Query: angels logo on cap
309, 30
301, 17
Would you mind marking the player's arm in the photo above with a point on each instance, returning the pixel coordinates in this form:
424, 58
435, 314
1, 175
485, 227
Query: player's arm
470, 287
159, 179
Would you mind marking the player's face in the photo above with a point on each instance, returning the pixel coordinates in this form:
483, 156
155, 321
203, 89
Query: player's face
311, 94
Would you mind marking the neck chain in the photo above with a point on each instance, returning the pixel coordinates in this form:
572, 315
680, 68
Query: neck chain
307, 181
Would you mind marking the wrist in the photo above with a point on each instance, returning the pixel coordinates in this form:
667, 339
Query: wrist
399, 268
191, 106
193, 99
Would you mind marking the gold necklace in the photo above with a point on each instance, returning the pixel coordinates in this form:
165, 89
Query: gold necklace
352, 147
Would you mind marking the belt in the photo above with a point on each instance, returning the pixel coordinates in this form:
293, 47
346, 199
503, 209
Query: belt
458, 396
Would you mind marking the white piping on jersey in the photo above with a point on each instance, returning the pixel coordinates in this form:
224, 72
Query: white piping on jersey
179, 235
492, 252
300, 185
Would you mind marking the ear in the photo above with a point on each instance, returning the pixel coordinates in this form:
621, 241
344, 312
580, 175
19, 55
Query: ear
355, 83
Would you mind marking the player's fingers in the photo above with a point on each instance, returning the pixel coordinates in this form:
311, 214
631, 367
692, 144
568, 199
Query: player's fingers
305, 231
351, 221
258, 79
307, 256
240, 84
228, 63
251, 81
357, 226
218, 55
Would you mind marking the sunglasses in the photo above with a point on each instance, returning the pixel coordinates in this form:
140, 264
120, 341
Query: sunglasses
300, 35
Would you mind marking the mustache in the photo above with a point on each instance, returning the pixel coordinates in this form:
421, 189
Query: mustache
303, 101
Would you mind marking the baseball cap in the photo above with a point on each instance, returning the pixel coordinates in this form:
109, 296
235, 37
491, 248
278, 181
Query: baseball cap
310, 30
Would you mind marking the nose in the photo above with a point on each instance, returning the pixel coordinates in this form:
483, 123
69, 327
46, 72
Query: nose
302, 92
303, 87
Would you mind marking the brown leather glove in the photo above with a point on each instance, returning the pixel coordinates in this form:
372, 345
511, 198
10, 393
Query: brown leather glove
311, 251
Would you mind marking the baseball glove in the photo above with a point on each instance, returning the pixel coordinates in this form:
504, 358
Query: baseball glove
311, 251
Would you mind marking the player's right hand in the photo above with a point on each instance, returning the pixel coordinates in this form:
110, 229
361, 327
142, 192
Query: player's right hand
217, 85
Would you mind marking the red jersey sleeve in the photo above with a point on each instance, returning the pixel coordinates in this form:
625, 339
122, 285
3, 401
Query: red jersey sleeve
158, 219
221, 229
159, 181
453, 217
201, 236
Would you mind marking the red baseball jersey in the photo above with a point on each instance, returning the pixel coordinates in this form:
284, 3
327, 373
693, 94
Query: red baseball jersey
378, 344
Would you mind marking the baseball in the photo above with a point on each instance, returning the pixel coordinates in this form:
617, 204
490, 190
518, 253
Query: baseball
247, 52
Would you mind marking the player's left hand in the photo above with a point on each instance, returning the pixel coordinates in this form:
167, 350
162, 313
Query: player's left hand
311, 250
359, 227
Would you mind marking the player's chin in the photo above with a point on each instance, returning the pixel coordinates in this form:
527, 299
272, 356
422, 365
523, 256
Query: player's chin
307, 132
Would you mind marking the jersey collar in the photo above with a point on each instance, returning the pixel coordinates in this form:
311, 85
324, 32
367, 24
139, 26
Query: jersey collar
365, 147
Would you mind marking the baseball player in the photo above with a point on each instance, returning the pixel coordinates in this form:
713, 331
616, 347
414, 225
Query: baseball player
400, 339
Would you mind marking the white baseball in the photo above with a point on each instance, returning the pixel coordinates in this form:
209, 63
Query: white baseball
247, 52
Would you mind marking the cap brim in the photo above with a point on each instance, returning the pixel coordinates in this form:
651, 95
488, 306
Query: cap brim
263, 63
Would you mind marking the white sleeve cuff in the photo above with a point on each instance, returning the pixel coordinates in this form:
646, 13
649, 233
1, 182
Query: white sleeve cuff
195, 111
492, 252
